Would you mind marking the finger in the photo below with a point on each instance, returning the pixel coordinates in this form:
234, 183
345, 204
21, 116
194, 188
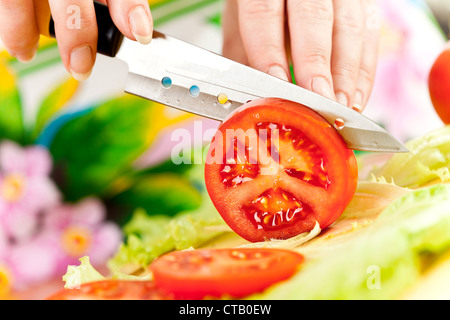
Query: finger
76, 32
18, 31
369, 57
133, 18
311, 28
262, 29
347, 48
233, 47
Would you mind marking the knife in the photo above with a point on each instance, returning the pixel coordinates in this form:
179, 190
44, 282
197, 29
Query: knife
186, 77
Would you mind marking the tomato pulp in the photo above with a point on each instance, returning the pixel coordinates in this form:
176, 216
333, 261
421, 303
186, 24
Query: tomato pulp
217, 273
275, 167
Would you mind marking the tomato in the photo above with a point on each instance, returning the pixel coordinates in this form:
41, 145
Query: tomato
288, 170
439, 85
236, 273
113, 290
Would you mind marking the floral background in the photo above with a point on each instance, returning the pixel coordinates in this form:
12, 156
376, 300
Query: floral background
77, 160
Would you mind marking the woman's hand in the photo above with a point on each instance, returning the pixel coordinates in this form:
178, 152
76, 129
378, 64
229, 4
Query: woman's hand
332, 44
77, 41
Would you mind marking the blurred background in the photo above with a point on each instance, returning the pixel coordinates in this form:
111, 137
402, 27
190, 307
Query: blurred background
90, 155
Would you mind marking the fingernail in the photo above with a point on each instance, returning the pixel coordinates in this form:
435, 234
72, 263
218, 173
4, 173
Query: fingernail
357, 107
342, 98
279, 72
321, 86
358, 101
141, 25
81, 62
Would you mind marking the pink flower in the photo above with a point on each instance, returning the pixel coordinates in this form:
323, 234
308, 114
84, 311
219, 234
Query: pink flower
79, 230
3, 245
25, 187
410, 43
32, 262
68, 232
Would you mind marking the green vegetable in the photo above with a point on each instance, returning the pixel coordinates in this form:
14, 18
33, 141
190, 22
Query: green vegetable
427, 161
77, 275
150, 236
379, 261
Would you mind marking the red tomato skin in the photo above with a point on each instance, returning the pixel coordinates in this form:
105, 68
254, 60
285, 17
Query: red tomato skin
112, 290
342, 163
439, 85
217, 279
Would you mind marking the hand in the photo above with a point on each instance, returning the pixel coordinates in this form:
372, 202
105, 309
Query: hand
332, 44
20, 33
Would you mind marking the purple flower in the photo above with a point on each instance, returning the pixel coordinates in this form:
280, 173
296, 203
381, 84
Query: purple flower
79, 230
39, 235
25, 188
68, 232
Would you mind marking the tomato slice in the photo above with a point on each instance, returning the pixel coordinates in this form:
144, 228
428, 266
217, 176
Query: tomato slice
275, 167
236, 273
113, 290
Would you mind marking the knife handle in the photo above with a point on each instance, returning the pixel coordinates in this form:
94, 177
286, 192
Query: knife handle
109, 36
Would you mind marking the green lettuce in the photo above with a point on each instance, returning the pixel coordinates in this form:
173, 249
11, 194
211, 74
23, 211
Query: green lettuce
427, 161
378, 261
382, 260
150, 236
85, 272
77, 275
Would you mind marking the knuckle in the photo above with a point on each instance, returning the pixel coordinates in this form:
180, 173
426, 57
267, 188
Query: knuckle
260, 8
366, 74
316, 57
345, 70
349, 24
312, 10
272, 48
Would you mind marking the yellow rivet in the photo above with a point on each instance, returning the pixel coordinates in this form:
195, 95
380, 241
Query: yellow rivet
222, 98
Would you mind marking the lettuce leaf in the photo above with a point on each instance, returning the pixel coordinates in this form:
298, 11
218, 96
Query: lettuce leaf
428, 161
379, 262
85, 272
77, 275
379, 257
150, 236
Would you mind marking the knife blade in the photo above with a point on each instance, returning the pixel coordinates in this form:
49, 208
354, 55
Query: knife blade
183, 76
189, 78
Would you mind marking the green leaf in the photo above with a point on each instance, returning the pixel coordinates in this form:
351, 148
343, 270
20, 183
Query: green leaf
148, 237
54, 102
427, 161
159, 194
94, 151
413, 225
11, 118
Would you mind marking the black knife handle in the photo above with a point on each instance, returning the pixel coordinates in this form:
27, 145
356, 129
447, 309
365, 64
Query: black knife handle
109, 36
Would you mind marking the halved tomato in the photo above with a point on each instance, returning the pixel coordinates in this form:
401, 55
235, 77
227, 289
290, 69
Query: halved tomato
216, 273
275, 167
113, 290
